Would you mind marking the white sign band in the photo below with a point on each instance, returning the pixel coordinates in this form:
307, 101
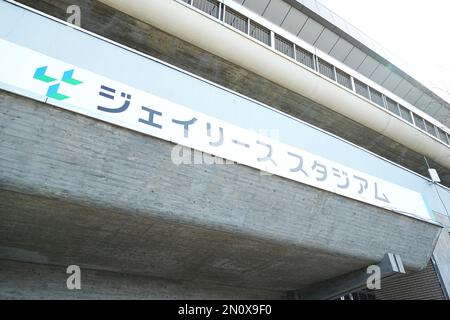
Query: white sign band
31, 73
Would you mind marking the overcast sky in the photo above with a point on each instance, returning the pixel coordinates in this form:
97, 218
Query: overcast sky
415, 31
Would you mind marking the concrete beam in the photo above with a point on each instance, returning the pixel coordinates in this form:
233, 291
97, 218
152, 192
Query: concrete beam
391, 265
78, 191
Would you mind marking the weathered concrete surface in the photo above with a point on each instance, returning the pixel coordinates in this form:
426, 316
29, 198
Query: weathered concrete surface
74, 190
126, 30
332, 289
442, 252
19, 280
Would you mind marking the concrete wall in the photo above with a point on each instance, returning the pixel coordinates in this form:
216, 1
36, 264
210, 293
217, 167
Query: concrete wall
78, 191
124, 29
19, 280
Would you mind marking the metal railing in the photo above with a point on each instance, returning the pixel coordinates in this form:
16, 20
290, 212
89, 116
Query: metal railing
293, 50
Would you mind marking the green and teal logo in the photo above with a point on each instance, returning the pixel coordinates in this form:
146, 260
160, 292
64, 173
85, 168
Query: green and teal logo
52, 92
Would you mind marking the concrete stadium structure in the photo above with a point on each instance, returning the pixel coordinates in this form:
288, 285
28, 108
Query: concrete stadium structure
97, 187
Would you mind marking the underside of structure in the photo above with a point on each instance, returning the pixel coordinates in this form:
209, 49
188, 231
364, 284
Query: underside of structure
78, 191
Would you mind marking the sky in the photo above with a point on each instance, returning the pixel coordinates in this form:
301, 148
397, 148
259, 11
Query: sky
417, 32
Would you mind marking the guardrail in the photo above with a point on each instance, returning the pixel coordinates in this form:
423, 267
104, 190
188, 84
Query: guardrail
302, 56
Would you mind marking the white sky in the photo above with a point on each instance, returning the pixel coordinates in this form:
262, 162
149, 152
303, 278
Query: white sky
415, 31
